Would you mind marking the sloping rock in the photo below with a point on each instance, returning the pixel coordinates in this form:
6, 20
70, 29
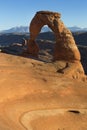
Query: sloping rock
34, 95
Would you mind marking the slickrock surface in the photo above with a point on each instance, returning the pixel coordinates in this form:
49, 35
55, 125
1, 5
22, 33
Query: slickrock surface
36, 95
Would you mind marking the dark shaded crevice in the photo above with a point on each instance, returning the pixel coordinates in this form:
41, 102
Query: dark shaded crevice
74, 111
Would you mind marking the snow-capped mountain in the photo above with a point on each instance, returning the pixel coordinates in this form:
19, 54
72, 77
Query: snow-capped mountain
77, 29
25, 29
16, 30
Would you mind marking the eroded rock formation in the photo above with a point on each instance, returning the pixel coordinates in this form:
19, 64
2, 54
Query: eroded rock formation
65, 47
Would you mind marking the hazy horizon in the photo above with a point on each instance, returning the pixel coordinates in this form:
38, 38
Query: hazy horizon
48, 27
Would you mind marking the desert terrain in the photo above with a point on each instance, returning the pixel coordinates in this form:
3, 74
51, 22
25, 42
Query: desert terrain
35, 96
37, 93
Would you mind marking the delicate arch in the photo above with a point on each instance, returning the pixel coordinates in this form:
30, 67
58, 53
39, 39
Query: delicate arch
65, 47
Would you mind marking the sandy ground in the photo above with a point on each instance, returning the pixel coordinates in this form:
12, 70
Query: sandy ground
33, 96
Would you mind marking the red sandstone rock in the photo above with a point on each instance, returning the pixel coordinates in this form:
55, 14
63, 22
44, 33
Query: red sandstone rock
65, 48
32, 47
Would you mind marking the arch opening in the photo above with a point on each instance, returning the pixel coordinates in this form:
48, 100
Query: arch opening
46, 41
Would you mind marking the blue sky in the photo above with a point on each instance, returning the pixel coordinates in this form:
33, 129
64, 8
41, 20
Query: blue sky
20, 12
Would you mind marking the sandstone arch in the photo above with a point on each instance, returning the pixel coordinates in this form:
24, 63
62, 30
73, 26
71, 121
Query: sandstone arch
65, 47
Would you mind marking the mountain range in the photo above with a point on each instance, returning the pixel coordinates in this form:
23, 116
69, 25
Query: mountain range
25, 29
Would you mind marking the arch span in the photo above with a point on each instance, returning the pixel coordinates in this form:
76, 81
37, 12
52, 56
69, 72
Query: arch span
65, 47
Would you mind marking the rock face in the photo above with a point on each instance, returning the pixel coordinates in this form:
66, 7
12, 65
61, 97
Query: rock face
34, 96
65, 47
